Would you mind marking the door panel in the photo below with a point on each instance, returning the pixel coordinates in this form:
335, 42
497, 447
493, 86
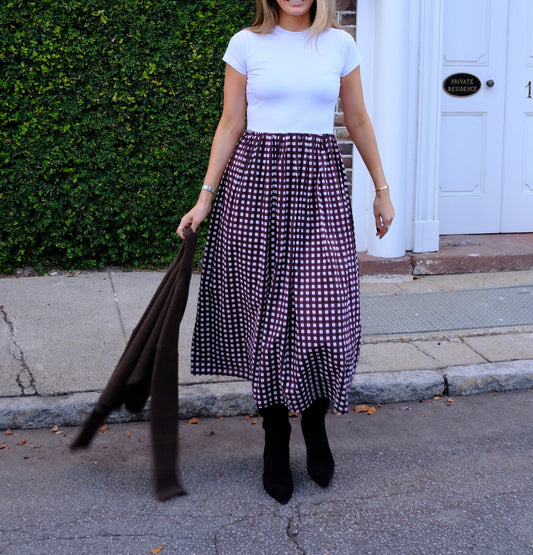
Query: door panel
462, 169
470, 21
517, 189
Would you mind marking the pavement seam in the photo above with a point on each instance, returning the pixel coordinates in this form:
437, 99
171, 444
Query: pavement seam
119, 312
18, 354
446, 390
416, 345
474, 349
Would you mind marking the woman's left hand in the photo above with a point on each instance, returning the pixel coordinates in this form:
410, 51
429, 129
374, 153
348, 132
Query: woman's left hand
383, 212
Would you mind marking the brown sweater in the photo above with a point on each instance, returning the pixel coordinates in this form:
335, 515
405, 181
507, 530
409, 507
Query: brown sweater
149, 367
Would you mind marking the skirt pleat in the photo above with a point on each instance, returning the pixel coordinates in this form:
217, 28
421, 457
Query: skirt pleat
279, 292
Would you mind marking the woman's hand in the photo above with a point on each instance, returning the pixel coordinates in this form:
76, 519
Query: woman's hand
194, 217
383, 212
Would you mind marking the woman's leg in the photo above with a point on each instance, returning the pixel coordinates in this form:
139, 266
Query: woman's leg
320, 463
277, 478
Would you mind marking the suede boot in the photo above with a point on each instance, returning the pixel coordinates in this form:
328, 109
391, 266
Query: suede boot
277, 477
320, 463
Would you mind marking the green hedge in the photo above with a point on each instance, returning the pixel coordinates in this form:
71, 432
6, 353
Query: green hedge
107, 111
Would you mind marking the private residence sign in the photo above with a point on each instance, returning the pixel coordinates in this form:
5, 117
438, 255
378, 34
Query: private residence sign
461, 84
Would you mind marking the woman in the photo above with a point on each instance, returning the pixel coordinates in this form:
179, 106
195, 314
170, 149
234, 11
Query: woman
279, 295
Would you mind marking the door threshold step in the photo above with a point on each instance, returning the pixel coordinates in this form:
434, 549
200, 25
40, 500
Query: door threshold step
458, 254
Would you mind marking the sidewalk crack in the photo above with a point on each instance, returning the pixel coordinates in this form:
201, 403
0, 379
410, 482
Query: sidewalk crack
421, 350
475, 350
293, 529
24, 379
115, 297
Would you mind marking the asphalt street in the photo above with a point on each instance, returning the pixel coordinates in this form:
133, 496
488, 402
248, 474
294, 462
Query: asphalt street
439, 476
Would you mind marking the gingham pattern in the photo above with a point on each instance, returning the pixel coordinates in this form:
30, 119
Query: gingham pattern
279, 293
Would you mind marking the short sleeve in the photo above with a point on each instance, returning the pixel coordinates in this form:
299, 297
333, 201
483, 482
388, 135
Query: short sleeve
235, 54
352, 57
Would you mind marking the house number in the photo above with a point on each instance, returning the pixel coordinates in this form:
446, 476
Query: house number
528, 87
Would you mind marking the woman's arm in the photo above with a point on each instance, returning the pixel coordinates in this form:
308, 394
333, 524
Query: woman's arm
361, 131
229, 130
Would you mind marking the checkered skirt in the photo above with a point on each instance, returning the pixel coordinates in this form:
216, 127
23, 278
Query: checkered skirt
279, 293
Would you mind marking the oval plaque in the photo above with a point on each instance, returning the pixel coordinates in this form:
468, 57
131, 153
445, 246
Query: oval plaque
461, 84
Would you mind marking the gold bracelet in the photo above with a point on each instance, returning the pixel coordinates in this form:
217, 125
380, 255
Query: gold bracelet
382, 188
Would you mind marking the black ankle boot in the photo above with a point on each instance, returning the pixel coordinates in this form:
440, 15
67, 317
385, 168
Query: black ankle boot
277, 478
320, 463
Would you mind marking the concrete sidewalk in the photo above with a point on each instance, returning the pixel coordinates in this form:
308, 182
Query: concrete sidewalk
62, 335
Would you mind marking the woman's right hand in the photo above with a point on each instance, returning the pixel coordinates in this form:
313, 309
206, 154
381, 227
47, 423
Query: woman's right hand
194, 217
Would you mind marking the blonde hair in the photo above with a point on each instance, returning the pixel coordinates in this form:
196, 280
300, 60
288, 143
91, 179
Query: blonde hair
323, 16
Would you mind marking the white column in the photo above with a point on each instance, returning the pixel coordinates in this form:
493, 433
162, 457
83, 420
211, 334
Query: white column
426, 224
391, 70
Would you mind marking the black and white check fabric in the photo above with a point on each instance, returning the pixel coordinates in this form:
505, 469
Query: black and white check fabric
279, 293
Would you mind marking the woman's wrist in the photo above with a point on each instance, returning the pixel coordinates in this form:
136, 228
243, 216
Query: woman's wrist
381, 188
205, 198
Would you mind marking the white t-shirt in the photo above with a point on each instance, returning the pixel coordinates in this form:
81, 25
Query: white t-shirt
293, 80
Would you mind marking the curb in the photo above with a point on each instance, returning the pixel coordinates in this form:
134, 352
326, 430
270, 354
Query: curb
235, 398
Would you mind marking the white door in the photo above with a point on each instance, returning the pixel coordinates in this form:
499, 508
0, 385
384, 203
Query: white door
486, 140
471, 139
517, 197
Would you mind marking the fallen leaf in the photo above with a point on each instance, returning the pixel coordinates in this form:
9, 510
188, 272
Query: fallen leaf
4, 446
424, 415
55, 428
437, 398
22, 442
104, 428
8, 432
247, 417
361, 408
59, 432
128, 434
371, 410
254, 421
450, 400
194, 421
157, 549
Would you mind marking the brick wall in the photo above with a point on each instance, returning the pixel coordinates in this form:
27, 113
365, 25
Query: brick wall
347, 18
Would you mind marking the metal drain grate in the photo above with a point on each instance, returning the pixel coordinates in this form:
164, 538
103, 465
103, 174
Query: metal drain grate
446, 310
